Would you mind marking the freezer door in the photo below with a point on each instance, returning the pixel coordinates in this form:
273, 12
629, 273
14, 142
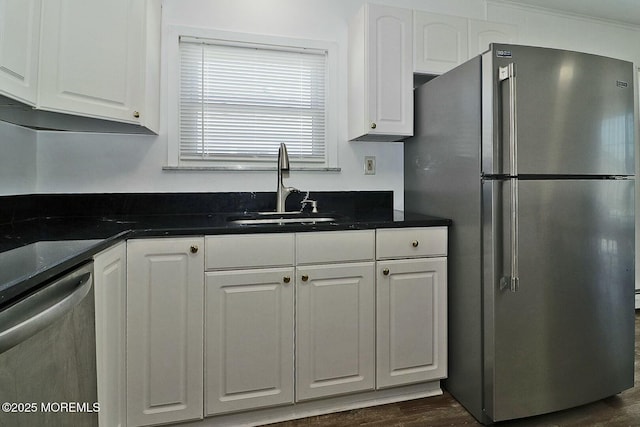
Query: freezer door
565, 337
571, 113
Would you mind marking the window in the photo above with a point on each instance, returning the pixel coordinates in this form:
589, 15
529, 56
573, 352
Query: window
239, 98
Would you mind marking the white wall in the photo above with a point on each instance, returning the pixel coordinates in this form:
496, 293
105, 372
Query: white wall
539, 27
106, 163
72, 162
17, 160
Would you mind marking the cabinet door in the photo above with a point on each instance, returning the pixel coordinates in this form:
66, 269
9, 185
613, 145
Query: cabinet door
380, 74
411, 304
92, 57
165, 287
110, 295
482, 33
440, 42
390, 69
248, 339
335, 337
19, 41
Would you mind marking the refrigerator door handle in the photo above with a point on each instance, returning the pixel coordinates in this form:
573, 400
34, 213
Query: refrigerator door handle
509, 73
513, 281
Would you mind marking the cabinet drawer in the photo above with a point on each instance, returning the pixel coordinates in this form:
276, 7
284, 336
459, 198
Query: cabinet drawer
335, 246
246, 251
411, 242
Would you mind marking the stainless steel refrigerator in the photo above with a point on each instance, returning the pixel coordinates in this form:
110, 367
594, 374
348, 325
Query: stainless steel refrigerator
530, 151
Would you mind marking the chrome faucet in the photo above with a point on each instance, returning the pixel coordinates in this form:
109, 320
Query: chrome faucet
283, 170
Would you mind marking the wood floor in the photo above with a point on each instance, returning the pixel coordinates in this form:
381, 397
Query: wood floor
622, 410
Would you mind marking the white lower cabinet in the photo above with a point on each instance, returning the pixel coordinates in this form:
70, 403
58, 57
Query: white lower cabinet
110, 283
279, 322
335, 329
411, 321
165, 284
248, 339
249, 321
411, 305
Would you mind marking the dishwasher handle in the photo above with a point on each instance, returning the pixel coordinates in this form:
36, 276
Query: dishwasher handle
36, 312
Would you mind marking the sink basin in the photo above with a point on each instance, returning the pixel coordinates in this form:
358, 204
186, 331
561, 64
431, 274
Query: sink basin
255, 218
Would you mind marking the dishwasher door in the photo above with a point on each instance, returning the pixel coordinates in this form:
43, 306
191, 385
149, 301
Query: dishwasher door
48, 356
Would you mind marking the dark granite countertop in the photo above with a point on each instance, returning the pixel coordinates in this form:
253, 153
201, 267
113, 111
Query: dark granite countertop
37, 250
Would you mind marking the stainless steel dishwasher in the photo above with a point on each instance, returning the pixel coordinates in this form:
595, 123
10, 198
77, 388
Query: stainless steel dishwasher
48, 355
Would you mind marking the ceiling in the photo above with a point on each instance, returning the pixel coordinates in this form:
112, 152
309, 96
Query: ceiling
626, 11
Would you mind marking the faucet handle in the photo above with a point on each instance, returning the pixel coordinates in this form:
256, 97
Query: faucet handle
306, 200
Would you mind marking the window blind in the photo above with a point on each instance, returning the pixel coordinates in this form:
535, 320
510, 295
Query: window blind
238, 102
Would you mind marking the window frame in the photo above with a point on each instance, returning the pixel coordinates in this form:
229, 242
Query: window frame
173, 99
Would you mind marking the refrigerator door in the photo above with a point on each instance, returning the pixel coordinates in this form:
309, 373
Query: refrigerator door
572, 112
566, 336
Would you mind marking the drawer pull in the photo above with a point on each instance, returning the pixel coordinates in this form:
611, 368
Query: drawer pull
385, 271
305, 277
286, 279
415, 243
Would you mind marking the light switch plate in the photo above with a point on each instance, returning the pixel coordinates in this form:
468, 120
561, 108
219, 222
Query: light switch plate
370, 165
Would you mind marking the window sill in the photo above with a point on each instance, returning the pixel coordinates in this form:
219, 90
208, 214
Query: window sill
248, 168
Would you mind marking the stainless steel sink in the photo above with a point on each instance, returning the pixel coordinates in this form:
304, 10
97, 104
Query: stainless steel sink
255, 218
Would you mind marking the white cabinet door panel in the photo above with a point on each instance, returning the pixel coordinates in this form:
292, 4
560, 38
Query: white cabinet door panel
381, 74
411, 321
482, 33
110, 272
165, 286
248, 339
325, 247
335, 335
19, 43
440, 42
90, 66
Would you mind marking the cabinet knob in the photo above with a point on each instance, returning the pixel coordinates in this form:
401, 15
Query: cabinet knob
136, 114
286, 279
373, 125
415, 243
305, 277
194, 249
385, 271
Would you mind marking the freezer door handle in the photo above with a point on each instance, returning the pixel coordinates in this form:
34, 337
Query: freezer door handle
509, 73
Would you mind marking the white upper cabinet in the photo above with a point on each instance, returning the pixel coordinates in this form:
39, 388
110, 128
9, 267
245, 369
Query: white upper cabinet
19, 38
387, 45
482, 33
100, 59
440, 42
381, 74
77, 60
